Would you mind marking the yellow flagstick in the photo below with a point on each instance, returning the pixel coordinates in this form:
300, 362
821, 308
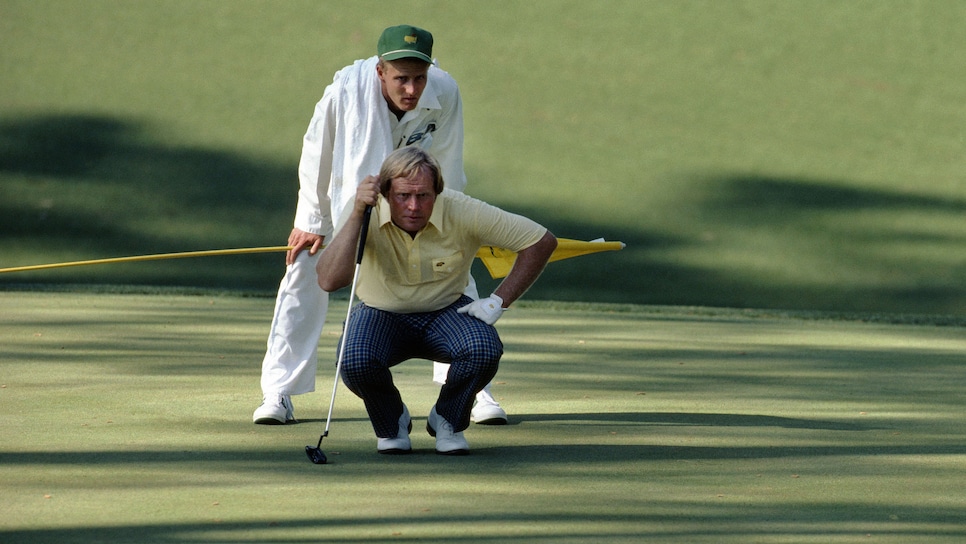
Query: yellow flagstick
155, 257
499, 261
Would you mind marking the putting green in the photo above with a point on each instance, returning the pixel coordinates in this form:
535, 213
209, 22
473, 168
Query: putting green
126, 418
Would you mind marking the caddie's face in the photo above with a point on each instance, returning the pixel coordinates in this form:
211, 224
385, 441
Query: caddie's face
411, 201
403, 82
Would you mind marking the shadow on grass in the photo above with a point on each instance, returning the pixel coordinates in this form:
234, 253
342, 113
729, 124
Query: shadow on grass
109, 187
690, 419
876, 267
751, 199
527, 454
842, 519
838, 519
663, 419
878, 250
98, 150
105, 187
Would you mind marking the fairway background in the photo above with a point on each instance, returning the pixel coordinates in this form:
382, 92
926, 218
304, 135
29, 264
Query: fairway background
751, 154
125, 418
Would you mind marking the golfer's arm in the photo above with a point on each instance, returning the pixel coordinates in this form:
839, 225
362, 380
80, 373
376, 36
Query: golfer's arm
337, 261
527, 268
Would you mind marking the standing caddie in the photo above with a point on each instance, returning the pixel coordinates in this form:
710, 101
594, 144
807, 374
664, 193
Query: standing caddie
396, 99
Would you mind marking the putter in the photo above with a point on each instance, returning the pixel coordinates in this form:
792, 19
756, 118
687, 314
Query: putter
315, 454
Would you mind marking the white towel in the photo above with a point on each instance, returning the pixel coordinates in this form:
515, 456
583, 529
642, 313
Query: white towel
363, 136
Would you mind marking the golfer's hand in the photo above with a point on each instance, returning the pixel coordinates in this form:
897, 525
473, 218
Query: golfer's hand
299, 240
487, 310
367, 193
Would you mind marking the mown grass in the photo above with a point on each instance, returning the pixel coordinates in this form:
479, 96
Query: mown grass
126, 419
800, 161
752, 154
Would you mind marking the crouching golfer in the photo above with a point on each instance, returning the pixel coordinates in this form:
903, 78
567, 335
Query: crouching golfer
421, 242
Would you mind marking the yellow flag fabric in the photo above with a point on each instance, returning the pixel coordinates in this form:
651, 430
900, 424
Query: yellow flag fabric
499, 261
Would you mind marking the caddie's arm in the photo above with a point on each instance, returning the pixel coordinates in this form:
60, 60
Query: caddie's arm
337, 261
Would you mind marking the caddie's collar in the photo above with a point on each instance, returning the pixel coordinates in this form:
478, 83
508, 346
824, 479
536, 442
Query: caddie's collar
430, 98
428, 101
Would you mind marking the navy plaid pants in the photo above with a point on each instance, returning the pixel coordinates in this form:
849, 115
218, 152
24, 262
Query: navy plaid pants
376, 340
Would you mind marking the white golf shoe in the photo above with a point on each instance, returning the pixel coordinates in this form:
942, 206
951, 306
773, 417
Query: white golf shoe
447, 441
400, 443
487, 411
275, 410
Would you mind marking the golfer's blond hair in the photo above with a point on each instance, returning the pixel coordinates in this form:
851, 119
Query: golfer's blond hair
405, 162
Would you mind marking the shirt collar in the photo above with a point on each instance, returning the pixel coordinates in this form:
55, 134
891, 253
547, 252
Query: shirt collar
383, 214
436, 218
429, 100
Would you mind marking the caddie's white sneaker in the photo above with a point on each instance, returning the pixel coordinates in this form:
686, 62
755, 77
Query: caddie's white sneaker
275, 410
447, 442
487, 410
400, 443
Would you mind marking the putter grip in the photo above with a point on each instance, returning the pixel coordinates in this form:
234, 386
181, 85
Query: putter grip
363, 233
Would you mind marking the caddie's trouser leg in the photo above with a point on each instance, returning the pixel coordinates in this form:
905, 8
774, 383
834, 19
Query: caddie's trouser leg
291, 357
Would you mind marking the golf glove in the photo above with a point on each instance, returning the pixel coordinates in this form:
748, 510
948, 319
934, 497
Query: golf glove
487, 310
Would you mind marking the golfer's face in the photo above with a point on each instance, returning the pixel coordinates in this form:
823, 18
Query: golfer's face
411, 201
403, 82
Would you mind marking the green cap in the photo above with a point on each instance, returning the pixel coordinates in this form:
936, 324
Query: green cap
405, 41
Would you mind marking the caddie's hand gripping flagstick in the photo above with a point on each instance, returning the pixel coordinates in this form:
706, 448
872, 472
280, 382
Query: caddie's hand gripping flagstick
315, 453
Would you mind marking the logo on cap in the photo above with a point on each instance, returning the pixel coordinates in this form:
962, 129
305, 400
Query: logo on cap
405, 41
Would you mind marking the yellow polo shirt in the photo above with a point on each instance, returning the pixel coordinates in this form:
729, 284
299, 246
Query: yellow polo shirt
406, 275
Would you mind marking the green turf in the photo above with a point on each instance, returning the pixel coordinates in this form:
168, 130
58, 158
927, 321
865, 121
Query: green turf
126, 418
764, 154
799, 155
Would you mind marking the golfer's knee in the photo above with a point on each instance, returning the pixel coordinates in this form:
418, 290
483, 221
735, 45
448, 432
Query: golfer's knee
357, 371
487, 351
481, 359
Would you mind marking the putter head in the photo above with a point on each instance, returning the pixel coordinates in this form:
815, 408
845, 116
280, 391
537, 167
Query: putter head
315, 455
